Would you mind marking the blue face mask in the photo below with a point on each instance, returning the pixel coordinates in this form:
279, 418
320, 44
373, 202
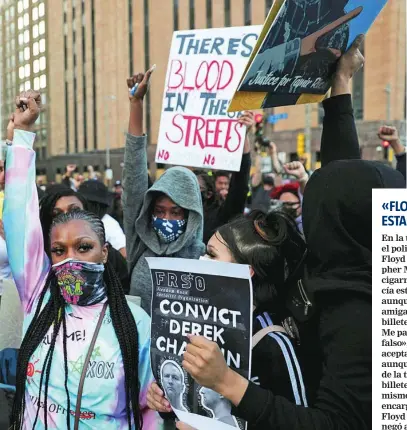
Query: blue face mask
169, 230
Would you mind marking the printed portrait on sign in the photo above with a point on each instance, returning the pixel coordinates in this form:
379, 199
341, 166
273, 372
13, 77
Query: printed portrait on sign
219, 408
173, 383
306, 40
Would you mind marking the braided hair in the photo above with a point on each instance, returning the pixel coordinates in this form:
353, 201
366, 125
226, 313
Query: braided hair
53, 313
47, 206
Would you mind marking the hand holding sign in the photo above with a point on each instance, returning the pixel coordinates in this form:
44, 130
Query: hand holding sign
308, 44
156, 400
204, 361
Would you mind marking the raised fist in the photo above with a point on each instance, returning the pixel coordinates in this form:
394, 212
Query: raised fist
28, 108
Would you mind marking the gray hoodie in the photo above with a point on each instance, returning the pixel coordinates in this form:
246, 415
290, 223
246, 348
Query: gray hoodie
182, 187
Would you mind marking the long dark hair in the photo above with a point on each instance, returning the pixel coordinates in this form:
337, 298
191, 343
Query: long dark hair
47, 205
53, 313
272, 245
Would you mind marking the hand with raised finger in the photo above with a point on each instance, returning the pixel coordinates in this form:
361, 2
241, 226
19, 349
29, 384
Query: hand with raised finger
156, 400
138, 85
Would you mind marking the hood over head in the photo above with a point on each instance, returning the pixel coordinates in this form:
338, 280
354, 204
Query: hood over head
182, 187
337, 221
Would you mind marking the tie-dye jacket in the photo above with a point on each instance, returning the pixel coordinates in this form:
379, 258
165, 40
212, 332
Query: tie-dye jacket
103, 400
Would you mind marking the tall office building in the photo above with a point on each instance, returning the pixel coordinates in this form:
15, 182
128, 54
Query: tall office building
87, 49
23, 27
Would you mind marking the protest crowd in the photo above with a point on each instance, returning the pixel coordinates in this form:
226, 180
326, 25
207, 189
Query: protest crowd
77, 254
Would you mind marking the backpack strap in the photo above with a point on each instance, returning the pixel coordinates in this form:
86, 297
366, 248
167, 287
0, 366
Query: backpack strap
265, 331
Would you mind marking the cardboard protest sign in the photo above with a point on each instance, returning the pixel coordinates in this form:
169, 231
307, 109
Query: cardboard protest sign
206, 298
204, 69
297, 53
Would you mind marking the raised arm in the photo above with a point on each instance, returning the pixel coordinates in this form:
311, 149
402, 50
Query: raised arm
135, 173
239, 183
391, 135
339, 135
28, 261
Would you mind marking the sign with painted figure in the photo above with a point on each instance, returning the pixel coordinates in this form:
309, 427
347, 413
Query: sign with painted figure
205, 298
204, 69
298, 50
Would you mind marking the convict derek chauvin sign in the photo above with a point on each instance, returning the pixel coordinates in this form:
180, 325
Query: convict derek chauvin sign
204, 298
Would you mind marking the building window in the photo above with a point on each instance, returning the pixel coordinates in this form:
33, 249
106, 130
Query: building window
20, 56
20, 6
36, 66
41, 10
247, 12
27, 85
26, 36
35, 31
12, 12
130, 13
26, 53
21, 39
147, 61
35, 14
26, 4
191, 14
43, 81
43, 63
209, 13
36, 49
95, 140
175, 6
26, 20
42, 45
42, 27
27, 70
227, 13
20, 23
21, 72
66, 119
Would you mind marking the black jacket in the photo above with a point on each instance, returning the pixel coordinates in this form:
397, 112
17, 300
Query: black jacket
216, 214
336, 349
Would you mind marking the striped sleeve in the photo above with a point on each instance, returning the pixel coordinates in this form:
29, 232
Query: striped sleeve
25, 245
290, 358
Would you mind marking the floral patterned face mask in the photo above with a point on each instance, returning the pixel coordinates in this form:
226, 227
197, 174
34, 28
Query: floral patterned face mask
81, 283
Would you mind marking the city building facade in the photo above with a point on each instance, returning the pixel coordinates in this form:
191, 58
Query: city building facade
80, 52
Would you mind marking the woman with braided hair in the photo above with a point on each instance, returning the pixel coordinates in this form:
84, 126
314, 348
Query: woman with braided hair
84, 360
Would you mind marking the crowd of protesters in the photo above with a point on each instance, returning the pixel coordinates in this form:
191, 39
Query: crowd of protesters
306, 238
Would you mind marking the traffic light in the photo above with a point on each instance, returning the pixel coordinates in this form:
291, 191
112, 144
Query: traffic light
385, 146
258, 118
300, 144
